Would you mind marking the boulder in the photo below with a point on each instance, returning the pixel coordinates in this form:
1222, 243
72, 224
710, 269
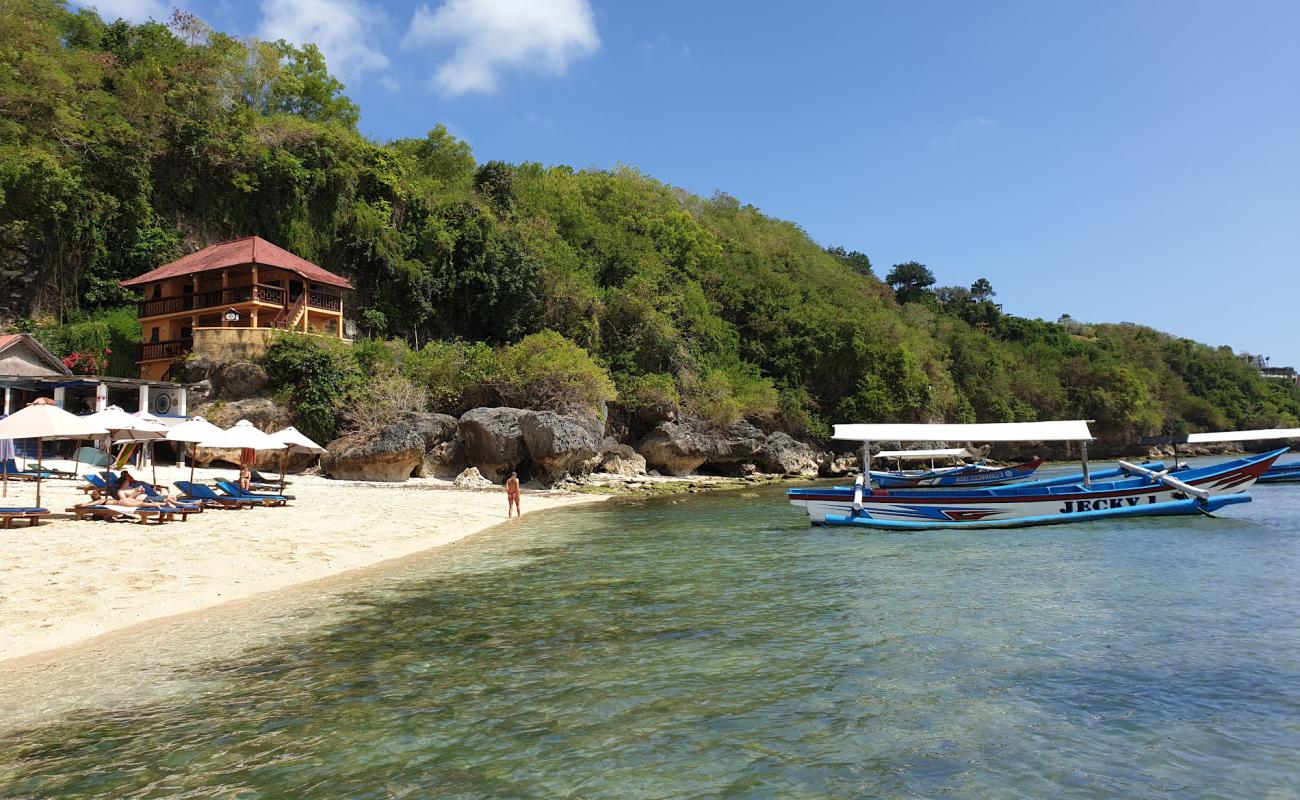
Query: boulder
492, 440
240, 380
558, 444
199, 368
739, 443
434, 429
833, 465
392, 453
619, 459
445, 460
675, 449
784, 454
472, 479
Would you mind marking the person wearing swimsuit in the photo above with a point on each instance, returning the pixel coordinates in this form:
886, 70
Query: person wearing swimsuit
512, 495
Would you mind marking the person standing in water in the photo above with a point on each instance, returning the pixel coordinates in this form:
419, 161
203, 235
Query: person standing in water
512, 495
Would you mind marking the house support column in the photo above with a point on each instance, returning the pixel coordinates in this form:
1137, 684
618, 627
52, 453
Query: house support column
59, 392
144, 398
101, 396
9, 400
180, 401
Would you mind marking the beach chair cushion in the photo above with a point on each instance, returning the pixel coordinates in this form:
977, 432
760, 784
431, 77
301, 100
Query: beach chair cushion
233, 490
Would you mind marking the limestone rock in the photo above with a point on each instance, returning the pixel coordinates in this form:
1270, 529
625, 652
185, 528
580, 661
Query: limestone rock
557, 443
675, 449
619, 459
471, 478
240, 380
492, 440
783, 454
444, 460
391, 453
832, 465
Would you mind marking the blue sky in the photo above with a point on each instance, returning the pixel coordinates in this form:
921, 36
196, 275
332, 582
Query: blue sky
1112, 160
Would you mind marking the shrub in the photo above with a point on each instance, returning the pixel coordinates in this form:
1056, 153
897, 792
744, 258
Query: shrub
455, 376
103, 344
724, 395
382, 400
656, 390
546, 370
316, 373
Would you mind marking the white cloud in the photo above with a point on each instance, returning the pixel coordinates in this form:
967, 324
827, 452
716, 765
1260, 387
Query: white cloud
344, 30
133, 10
492, 35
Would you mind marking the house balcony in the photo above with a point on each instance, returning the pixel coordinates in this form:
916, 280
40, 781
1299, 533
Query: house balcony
259, 294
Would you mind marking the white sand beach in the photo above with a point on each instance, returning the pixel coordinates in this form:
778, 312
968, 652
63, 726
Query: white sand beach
65, 582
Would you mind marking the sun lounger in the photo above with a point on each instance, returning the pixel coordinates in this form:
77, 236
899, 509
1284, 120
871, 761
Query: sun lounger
234, 491
203, 495
28, 474
32, 514
141, 513
261, 480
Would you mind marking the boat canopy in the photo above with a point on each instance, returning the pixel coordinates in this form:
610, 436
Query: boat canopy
1063, 431
1243, 436
922, 455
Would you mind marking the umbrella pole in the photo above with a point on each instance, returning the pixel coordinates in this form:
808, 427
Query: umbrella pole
39, 470
192, 460
76, 470
284, 459
154, 465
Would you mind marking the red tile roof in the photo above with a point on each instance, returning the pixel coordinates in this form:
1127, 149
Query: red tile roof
249, 250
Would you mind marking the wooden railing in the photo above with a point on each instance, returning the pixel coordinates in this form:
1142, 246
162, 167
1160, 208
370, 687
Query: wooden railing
325, 300
172, 348
289, 317
214, 298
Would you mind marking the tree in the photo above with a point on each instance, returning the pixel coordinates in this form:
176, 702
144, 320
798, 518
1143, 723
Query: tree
910, 281
982, 290
858, 262
496, 181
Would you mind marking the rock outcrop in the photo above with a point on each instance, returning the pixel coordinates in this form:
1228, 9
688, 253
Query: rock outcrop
492, 440
240, 380
471, 479
557, 444
785, 455
675, 449
443, 456
618, 459
391, 453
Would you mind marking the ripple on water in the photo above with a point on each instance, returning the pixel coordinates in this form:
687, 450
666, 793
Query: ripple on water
718, 647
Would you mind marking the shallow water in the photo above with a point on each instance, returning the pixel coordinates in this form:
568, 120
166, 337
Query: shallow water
716, 646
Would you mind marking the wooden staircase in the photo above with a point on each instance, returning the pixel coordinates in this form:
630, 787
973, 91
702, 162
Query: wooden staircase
290, 316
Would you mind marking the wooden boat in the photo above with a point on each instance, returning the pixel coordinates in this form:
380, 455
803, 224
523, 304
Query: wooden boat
1140, 491
1278, 473
975, 474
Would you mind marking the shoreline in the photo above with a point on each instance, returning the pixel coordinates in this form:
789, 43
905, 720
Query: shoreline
65, 584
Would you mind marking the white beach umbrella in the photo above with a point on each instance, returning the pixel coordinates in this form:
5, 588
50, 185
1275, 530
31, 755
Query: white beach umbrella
193, 431
296, 442
124, 427
244, 435
41, 421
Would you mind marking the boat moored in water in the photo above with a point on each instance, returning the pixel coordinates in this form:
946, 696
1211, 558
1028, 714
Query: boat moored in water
1129, 491
1278, 473
975, 474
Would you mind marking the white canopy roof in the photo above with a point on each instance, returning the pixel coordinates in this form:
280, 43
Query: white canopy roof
952, 452
124, 426
1065, 431
297, 441
243, 435
45, 421
1243, 436
194, 429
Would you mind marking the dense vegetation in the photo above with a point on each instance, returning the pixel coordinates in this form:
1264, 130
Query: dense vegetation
123, 146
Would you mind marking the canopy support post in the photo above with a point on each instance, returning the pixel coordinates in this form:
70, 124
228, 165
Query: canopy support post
864, 480
1083, 454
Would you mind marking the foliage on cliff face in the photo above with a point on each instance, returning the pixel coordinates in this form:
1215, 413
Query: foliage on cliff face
123, 146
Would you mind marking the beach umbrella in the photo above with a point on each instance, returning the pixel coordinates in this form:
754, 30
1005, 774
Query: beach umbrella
244, 436
124, 427
192, 431
295, 442
41, 421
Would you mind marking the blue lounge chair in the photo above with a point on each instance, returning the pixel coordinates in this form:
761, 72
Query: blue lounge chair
234, 491
204, 495
151, 492
16, 474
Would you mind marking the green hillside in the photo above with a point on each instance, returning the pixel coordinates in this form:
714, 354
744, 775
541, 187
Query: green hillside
122, 147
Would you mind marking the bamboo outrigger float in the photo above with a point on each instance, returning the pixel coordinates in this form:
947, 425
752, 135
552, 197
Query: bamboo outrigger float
1129, 491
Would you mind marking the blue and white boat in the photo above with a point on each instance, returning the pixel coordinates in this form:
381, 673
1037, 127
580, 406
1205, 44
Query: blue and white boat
1278, 473
1138, 491
973, 474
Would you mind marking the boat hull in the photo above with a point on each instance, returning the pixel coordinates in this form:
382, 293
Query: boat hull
1282, 473
970, 475
1163, 509
1122, 497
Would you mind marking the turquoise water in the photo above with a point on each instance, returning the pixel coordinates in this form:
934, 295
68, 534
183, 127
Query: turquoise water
716, 646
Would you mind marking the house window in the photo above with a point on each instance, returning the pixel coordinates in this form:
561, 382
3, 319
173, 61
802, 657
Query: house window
153, 335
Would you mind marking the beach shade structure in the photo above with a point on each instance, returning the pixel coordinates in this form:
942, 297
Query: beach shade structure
124, 427
192, 431
295, 442
246, 437
41, 421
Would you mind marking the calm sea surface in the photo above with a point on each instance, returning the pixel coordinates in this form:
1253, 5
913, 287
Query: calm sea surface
716, 646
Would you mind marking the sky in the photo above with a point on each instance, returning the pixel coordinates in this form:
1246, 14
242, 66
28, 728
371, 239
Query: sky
1116, 161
